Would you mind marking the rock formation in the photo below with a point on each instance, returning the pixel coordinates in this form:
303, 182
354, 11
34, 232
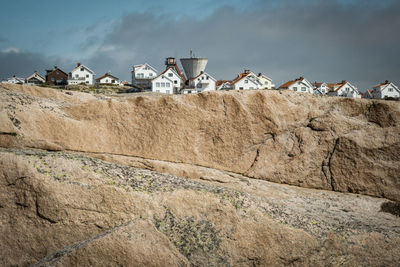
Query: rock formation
184, 180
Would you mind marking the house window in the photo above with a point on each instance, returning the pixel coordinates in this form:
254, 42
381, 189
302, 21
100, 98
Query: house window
240, 88
87, 75
246, 81
52, 78
175, 82
106, 80
87, 81
202, 77
157, 91
167, 91
82, 69
189, 92
151, 74
157, 84
295, 89
112, 81
170, 74
76, 75
167, 84
251, 87
390, 89
162, 84
57, 72
207, 77
303, 89
199, 85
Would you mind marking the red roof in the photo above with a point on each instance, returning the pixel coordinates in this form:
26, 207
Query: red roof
105, 75
289, 83
218, 83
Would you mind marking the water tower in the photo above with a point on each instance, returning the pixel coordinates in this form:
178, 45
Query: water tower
193, 66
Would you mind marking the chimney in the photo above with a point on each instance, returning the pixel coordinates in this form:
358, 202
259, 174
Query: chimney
386, 82
246, 71
78, 64
343, 81
55, 67
260, 74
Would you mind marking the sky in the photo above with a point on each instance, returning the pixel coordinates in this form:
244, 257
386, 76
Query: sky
327, 40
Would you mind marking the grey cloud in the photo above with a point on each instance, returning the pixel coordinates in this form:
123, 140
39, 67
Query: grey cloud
321, 40
23, 64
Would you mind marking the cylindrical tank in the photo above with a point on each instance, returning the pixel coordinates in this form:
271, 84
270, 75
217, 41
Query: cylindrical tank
193, 66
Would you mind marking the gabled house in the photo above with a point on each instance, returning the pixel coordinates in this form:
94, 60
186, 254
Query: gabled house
367, 94
108, 79
168, 82
14, 80
81, 74
202, 83
142, 75
300, 84
246, 81
320, 88
343, 88
223, 85
35, 78
56, 76
266, 83
385, 90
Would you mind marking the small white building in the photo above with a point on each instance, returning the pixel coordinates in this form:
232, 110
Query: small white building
108, 79
143, 74
385, 90
300, 84
344, 89
246, 81
168, 82
14, 80
266, 82
81, 74
320, 88
35, 78
202, 83
223, 85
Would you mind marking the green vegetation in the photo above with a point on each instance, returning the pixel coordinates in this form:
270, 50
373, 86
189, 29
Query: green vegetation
196, 239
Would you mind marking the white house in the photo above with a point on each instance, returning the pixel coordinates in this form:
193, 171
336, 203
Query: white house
343, 88
300, 84
266, 83
35, 78
246, 81
202, 83
320, 88
143, 74
108, 79
168, 82
14, 80
223, 85
81, 74
385, 89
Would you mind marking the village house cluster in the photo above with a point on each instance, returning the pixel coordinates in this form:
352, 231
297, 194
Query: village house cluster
194, 79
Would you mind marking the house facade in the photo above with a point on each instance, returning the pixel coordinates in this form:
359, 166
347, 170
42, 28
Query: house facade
56, 76
108, 79
142, 75
168, 82
223, 85
300, 84
320, 88
204, 82
344, 89
14, 80
385, 90
367, 95
266, 83
81, 74
35, 78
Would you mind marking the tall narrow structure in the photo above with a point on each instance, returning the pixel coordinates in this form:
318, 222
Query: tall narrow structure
193, 66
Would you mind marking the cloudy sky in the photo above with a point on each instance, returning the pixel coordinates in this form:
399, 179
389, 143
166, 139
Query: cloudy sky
327, 40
